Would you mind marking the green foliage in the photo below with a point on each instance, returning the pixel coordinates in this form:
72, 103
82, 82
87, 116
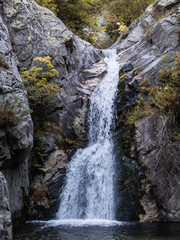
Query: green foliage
38, 153
51, 4
42, 93
81, 16
138, 112
123, 29
12, 109
122, 77
179, 18
166, 96
124, 12
69, 141
177, 138
3, 62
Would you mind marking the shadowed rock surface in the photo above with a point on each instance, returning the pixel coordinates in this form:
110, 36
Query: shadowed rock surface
16, 135
154, 34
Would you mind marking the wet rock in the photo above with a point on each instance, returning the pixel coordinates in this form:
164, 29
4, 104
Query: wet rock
46, 187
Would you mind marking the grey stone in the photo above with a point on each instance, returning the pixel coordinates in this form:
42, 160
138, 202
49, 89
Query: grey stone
5, 213
16, 139
153, 34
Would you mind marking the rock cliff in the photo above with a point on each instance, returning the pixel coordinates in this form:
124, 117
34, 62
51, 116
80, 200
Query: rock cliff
153, 35
27, 31
16, 133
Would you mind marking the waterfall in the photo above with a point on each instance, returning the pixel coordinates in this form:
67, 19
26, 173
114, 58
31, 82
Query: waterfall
88, 192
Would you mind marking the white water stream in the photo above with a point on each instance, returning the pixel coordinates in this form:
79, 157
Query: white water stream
89, 191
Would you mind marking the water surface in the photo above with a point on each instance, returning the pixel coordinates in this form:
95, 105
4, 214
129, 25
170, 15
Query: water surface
103, 231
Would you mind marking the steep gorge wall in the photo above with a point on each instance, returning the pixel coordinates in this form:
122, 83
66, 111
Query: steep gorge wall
16, 138
145, 143
27, 31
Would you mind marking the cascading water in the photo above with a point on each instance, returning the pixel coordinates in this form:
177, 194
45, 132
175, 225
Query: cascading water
88, 193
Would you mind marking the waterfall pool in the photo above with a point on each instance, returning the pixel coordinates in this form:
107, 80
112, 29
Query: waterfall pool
104, 230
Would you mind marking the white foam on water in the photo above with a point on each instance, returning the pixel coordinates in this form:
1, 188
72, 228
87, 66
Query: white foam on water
84, 222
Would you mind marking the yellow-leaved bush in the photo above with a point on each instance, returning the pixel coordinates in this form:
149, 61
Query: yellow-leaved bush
42, 93
122, 28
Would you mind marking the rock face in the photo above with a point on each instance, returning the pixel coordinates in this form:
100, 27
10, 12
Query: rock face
29, 31
154, 34
5, 214
36, 31
16, 128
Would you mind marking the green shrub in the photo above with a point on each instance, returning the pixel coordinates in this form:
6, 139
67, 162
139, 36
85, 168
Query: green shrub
38, 153
69, 141
179, 18
137, 113
3, 62
51, 4
42, 93
165, 97
12, 109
